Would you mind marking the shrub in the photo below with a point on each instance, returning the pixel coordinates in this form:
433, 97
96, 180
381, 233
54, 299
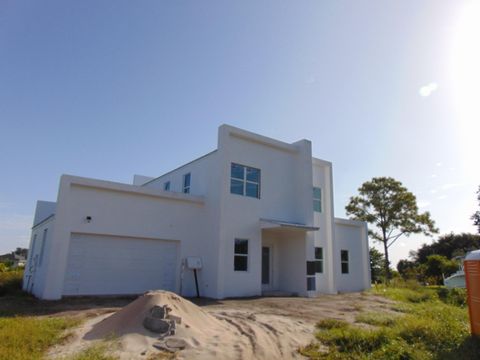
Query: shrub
455, 296
11, 282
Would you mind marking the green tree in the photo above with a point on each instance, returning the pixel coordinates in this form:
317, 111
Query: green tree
376, 265
449, 245
407, 269
387, 205
476, 216
438, 266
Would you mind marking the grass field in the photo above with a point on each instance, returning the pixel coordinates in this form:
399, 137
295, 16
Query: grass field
427, 323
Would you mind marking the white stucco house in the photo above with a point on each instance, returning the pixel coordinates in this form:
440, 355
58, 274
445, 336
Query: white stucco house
256, 214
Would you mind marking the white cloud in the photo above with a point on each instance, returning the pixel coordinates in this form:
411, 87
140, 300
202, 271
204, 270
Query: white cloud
439, 164
311, 80
428, 89
433, 176
441, 197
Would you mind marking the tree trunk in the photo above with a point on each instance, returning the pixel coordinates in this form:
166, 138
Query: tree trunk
387, 261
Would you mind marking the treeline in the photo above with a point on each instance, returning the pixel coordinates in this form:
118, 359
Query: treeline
431, 262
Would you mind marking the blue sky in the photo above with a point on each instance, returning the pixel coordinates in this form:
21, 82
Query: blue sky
106, 89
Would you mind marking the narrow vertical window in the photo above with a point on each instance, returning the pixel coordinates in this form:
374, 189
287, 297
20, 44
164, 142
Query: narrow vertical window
186, 183
317, 199
166, 186
344, 261
319, 260
240, 261
42, 247
311, 283
244, 180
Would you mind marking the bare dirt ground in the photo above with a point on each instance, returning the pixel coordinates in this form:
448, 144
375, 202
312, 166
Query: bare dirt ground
261, 328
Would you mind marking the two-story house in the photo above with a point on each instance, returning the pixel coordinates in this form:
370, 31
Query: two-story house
256, 214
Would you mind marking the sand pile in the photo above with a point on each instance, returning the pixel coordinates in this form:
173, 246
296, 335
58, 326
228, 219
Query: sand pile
196, 328
225, 334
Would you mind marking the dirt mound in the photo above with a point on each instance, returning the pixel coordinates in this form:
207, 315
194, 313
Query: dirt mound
196, 329
225, 334
129, 320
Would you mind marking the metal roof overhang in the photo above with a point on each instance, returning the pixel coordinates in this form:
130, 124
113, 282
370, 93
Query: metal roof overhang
280, 224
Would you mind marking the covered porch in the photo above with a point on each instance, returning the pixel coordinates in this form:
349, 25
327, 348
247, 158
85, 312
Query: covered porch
284, 257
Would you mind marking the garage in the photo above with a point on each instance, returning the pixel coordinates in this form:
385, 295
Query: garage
109, 265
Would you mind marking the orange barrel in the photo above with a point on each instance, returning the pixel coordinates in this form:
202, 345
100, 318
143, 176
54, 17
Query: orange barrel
471, 266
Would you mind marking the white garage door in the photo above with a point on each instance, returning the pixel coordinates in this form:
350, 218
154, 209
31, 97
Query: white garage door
104, 265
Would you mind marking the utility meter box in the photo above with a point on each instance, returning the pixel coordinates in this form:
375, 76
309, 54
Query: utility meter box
194, 262
471, 266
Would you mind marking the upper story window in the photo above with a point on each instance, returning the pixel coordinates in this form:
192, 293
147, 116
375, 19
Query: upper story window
344, 261
319, 260
245, 181
317, 199
186, 183
166, 186
240, 257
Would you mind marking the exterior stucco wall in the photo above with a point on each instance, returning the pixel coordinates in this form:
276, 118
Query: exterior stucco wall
325, 237
286, 194
352, 236
34, 277
151, 214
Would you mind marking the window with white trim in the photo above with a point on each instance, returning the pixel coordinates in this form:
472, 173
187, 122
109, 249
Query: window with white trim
186, 183
344, 261
317, 199
244, 180
240, 257
319, 260
166, 186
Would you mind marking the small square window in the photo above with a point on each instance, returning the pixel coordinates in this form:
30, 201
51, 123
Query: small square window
252, 190
253, 175
310, 267
319, 260
241, 263
236, 186
241, 246
311, 284
236, 171
166, 186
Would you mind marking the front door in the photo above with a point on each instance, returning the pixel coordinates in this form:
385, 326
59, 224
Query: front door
266, 264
